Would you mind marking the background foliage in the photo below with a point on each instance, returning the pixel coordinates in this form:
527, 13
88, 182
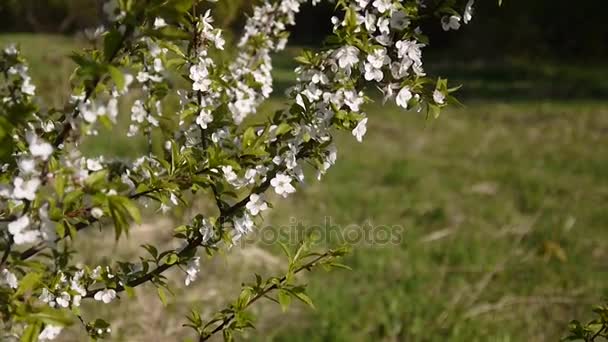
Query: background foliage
555, 29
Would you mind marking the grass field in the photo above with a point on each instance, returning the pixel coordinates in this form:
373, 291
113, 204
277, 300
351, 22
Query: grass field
498, 214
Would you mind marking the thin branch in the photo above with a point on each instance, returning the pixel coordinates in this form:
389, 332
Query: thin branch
192, 245
7, 251
262, 294
80, 226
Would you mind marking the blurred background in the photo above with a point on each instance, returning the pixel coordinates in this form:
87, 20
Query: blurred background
500, 204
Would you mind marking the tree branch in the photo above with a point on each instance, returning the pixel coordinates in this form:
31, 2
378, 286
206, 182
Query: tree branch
264, 293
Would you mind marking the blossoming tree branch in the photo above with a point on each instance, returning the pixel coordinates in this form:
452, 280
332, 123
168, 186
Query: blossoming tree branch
155, 53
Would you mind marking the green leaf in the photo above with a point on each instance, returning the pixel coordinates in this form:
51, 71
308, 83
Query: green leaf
283, 128
302, 296
111, 44
28, 283
122, 211
249, 137
151, 249
117, 76
132, 209
162, 296
286, 251
72, 197
172, 259
96, 179
60, 182
31, 332
48, 315
284, 299
60, 229
170, 33
338, 265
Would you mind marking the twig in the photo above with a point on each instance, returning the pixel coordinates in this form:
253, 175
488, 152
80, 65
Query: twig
262, 294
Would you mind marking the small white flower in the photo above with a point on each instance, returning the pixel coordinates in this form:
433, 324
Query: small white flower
282, 185
11, 50
403, 97
243, 225
468, 12
25, 189
27, 166
19, 225
206, 231
47, 297
9, 279
105, 296
76, 300
438, 97
96, 213
63, 300
450, 23
399, 20
192, 270
382, 5
348, 56
250, 175
38, 147
27, 87
94, 165
50, 332
231, 177
256, 204
159, 23
204, 118
372, 73
359, 131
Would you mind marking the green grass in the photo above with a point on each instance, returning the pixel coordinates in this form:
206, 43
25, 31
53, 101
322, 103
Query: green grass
498, 210
512, 191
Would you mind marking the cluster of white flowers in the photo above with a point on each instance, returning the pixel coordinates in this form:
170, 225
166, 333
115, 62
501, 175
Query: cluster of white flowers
67, 291
383, 50
26, 229
20, 71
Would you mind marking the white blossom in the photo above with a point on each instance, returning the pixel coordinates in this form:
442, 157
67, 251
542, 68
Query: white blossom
27, 166
204, 118
105, 296
450, 23
256, 204
468, 12
94, 165
63, 300
399, 20
9, 279
50, 332
47, 297
282, 185
38, 147
96, 212
192, 270
383, 5
360, 130
22, 235
438, 97
159, 23
347, 56
403, 97
243, 225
